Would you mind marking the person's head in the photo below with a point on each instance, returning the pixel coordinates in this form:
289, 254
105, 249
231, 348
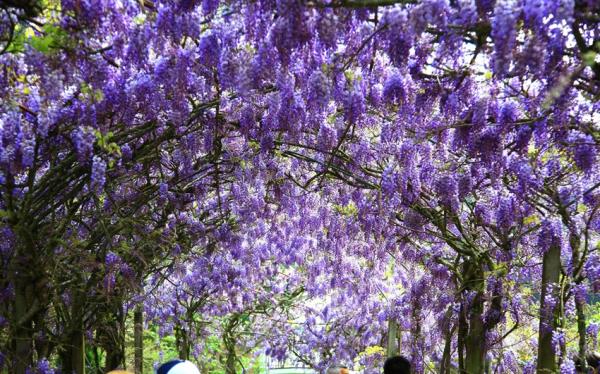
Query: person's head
396, 365
177, 367
337, 370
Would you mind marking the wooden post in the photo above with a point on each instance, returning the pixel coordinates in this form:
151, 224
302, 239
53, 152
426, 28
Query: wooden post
392, 348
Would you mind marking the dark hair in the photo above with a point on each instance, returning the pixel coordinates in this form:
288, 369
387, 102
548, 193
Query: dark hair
396, 365
593, 359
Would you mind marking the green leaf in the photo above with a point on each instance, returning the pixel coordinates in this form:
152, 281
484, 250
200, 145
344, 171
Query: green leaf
349, 75
139, 19
589, 58
532, 219
51, 38
18, 42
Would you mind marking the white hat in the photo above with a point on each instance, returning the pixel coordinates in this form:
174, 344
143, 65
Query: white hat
178, 367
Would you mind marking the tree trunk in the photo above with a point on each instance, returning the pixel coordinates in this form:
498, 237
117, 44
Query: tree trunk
399, 349
447, 355
72, 356
577, 261
472, 313
392, 348
42, 344
115, 354
115, 338
462, 332
475, 340
550, 277
417, 347
230, 363
22, 330
581, 330
114, 358
229, 343
138, 320
183, 342
78, 353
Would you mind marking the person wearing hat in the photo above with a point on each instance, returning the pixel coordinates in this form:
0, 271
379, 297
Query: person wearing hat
178, 367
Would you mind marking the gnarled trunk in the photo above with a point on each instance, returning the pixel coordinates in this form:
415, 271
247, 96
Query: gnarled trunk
73, 355
22, 336
229, 342
73, 350
475, 348
417, 339
114, 358
22, 321
472, 331
114, 337
183, 342
578, 261
448, 334
581, 330
462, 333
550, 276
43, 348
230, 362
